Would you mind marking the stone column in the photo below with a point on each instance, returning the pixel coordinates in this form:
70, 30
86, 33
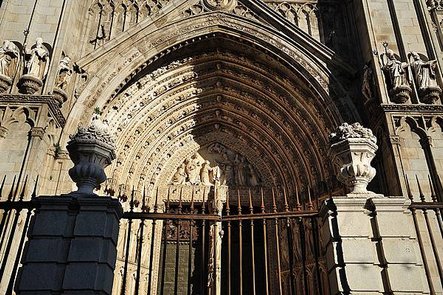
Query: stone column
72, 238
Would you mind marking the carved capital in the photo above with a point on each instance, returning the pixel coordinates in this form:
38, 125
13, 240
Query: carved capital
38, 132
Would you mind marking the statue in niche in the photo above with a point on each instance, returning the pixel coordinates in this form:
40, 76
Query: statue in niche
425, 78
368, 83
239, 162
37, 61
64, 73
9, 57
9, 60
229, 175
396, 77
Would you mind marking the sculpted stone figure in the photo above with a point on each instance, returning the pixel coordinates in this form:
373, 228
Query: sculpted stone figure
38, 61
396, 76
9, 56
204, 173
64, 73
193, 169
425, 78
180, 175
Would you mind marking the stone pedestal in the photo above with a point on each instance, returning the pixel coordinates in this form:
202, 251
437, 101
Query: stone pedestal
371, 247
71, 247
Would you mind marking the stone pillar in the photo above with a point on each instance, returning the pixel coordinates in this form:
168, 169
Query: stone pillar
73, 238
371, 247
369, 239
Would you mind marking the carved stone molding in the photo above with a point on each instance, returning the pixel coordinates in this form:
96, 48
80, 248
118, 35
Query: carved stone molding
35, 100
419, 108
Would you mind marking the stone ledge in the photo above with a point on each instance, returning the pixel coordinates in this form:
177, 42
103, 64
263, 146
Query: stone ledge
54, 109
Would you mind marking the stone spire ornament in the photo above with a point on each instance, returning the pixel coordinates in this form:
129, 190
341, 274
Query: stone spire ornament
91, 149
352, 149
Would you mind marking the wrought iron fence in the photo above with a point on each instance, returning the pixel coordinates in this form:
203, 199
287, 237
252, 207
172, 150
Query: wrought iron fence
247, 244
427, 214
16, 209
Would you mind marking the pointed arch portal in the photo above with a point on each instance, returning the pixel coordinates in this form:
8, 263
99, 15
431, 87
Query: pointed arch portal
263, 101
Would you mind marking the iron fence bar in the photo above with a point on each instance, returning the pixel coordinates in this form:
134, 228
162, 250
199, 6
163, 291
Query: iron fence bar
191, 229
431, 234
419, 238
228, 212
303, 254
290, 245
240, 244
128, 241
437, 211
151, 253
151, 256
316, 238
203, 253
251, 211
215, 218
6, 216
140, 247
277, 241
265, 246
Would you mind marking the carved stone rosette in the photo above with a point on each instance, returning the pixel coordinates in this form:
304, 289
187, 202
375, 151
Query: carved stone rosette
5, 83
352, 149
91, 149
29, 84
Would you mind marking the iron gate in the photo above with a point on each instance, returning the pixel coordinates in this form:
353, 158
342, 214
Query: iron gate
244, 245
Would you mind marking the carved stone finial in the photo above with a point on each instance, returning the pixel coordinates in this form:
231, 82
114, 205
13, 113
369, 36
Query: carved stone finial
91, 149
352, 148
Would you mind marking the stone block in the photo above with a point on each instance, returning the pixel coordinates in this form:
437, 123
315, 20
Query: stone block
47, 250
396, 224
88, 276
353, 224
86, 219
358, 250
406, 277
50, 223
372, 277
400, 250
41, 276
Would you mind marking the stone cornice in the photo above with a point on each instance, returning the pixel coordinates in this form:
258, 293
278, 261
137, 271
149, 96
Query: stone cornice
49, 100
418, 108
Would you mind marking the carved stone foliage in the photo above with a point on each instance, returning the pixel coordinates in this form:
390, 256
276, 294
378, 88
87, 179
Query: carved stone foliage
91, 149
352, 148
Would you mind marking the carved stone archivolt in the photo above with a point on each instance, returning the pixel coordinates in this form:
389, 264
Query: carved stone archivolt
207, 120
